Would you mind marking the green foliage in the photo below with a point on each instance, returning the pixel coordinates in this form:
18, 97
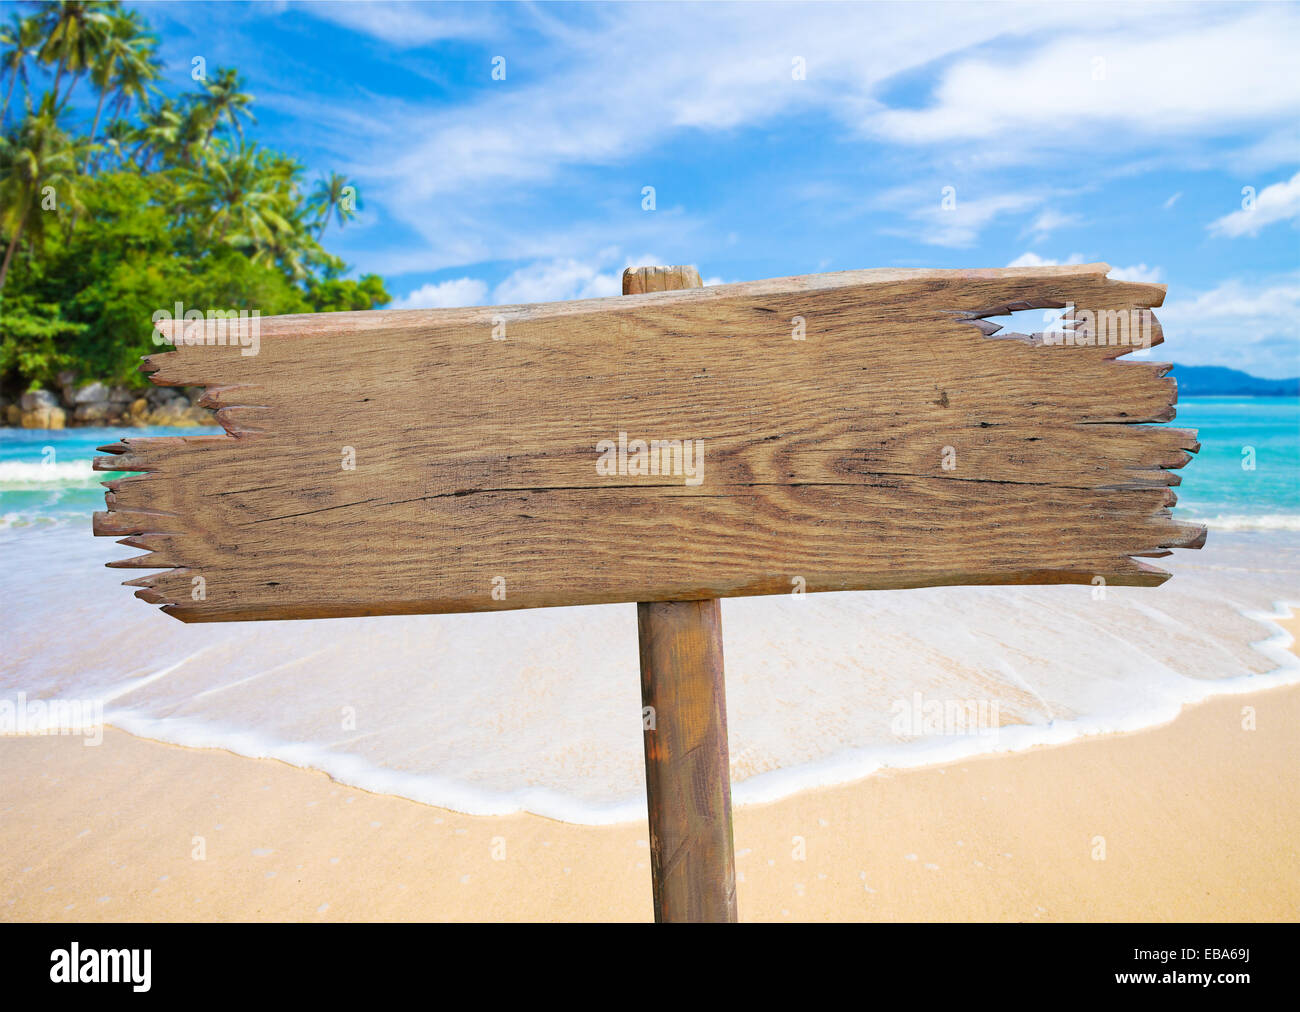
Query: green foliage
333, 295
32, 335
153, 203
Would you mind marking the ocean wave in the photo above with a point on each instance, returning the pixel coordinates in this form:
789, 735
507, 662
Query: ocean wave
540, 710
16, 475
1249, 522
17, 521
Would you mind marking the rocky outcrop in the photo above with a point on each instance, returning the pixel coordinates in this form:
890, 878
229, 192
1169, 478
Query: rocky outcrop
91, 393
34, 399
98, 404
39, 409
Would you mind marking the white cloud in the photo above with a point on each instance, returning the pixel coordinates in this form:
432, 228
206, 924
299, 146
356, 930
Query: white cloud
956, 224
404, 25
1047, 222
555, 281
1279, 147
1173, 200
444, 295
1201, 72
1245, 324
1034, 260
560, 279
1279, 202
1138, 272
1278, 300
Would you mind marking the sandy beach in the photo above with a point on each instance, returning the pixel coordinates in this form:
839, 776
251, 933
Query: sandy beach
1196, 819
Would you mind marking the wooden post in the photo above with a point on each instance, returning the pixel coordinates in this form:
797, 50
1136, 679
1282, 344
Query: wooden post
688, 779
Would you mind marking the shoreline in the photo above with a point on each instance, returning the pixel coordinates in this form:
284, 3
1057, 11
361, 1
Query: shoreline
1278, 647
775, 786
470, 716
433, 727
111, 833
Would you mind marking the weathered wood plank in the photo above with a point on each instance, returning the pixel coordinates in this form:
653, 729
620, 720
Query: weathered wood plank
896, 444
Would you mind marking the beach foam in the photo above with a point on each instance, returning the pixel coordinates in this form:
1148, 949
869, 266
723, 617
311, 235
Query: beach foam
19, 474
1253, 522
540, 710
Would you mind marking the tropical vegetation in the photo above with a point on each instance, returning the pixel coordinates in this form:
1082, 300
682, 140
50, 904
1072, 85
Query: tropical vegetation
141, 195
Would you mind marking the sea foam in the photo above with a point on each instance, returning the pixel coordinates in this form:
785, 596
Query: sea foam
20, 474
540, 710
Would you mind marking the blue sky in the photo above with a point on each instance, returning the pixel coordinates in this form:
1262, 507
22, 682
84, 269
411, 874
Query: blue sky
1068, 132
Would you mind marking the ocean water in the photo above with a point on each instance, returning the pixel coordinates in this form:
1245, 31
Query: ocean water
540, 710
46, 477
1247, 473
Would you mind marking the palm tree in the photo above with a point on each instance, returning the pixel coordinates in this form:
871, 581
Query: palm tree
124, 66
21, 39
135, 77
195, 134
160, 131
243, 196
175, 133
332, 197
37, 160
226, 100
117, 135
74, 32
293, 248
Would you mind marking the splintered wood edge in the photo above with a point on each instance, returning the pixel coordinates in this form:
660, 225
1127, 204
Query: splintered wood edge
147, 530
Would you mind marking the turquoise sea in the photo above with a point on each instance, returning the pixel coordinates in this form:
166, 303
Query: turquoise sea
1247, 474
46, 477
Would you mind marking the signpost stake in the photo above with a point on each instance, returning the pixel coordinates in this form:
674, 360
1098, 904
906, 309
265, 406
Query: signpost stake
688, 780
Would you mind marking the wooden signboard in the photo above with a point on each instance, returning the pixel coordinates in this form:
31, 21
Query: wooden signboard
852, 431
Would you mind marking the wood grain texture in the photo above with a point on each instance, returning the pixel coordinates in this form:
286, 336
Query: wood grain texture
823, 457
688, 775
